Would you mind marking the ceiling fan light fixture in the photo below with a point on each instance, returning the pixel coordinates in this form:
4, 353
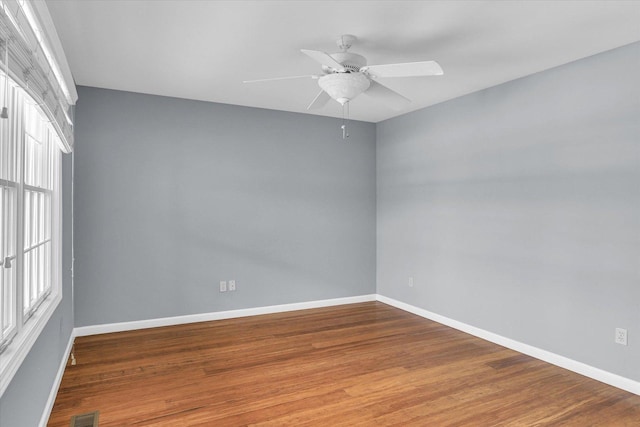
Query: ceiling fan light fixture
343, 87
345, 75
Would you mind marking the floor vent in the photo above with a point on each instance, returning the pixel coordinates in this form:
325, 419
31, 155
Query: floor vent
85, 420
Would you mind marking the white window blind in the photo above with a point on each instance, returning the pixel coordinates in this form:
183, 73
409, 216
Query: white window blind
33, 66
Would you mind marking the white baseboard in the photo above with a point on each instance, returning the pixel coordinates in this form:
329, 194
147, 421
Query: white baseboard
56, 383
555, 359
219, 315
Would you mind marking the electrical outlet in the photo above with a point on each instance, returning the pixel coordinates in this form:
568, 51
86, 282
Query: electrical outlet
232, 285
621, 336
411, 282
223, 286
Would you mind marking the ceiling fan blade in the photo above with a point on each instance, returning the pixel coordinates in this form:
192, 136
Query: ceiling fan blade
408, 69
309, 76
387, 96
319, 101
323, 58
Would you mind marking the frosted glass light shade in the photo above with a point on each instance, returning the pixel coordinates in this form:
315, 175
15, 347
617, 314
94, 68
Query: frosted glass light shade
343, 87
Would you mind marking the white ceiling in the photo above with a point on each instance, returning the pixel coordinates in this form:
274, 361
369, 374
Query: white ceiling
203, 50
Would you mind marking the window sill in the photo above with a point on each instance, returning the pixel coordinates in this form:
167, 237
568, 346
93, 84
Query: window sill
13, 356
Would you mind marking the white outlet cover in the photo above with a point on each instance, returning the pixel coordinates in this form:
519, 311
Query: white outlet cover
232, 285
621, 336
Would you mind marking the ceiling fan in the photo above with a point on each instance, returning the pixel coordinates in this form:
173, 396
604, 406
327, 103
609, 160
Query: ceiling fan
345, 75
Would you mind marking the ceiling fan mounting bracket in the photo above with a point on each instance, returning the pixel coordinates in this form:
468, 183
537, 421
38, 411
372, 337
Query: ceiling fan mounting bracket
345, 41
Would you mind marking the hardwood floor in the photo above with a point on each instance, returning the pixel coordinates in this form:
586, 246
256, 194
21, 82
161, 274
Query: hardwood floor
364, 364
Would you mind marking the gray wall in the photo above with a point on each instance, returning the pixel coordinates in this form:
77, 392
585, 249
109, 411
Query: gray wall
173, 196
23, 402
517, 209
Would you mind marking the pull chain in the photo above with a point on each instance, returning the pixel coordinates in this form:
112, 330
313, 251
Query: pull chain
345, 134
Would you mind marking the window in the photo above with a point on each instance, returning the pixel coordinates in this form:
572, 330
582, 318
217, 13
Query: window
30, 260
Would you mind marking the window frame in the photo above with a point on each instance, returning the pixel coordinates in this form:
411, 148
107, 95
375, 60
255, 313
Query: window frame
30, 324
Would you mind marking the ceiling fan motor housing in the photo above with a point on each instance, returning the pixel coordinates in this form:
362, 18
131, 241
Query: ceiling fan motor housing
352, 62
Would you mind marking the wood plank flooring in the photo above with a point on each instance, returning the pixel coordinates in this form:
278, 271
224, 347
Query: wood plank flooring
363, 364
